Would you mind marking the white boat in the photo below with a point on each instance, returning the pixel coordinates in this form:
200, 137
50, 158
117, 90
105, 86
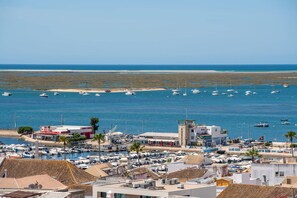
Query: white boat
196, 91
27, 155
175, 93
56, 93
224, 93
274, 92
230, 95
286, 85
248, 93
185, 94
215, 93
130, 93
43, 95
6, 94
97, 94
175, 90
230, 90
85, 94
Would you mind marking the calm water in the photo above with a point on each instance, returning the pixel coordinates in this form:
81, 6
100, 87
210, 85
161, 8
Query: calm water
158, 111
235, 68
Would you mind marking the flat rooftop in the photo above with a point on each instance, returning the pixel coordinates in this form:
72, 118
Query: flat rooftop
159, 186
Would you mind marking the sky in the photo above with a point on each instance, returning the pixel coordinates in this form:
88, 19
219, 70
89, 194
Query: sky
148, 32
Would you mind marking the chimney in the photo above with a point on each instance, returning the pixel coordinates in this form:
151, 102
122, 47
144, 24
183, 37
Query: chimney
5, 173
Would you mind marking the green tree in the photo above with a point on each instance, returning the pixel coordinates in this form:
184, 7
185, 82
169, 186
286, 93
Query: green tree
25, 129
99, 138
137, 147
65, 141
253, 153
290, 135
94, 123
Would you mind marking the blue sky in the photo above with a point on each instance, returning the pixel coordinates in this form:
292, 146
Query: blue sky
148, 32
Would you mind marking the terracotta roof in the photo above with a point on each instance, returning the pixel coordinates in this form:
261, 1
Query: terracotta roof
60, 170
187, 174
21, 194
193, 159
143, 170
46, 181
96, 171
255, 191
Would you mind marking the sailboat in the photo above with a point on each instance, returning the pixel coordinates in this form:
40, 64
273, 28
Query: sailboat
230, 89
274, 91
196, 91
185, 94
216, 92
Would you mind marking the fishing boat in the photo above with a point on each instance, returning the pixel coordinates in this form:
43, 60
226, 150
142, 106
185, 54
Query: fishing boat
6, 94
261, 124
97, 94
43, 95
196, 91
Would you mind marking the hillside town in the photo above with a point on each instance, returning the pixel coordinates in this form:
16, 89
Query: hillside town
197, 161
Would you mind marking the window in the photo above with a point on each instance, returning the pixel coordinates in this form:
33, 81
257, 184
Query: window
281, 173
289, 181
276, 174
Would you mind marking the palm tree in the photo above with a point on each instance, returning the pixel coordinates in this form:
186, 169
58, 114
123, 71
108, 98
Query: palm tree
99, 138
65, 140
136, 146
253, 153
93, 122
290, 135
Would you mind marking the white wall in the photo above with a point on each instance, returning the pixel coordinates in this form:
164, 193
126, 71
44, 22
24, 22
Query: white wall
269, 170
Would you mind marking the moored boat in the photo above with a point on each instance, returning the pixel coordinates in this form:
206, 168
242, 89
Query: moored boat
6, 94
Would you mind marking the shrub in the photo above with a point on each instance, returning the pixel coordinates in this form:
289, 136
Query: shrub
25, 130
293, 145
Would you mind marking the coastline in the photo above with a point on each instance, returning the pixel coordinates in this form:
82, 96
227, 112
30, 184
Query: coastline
145, 71
9, 133
112, 90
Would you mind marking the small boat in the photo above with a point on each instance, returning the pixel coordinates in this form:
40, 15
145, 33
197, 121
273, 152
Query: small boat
97, 94
185, 94
56, 93
27, 155
215, 93
285, 122
262, 124
85, 94
230, 95
274, 92
175, 90
248, 93
130, 93
286, 85
196, 91
107, 91
6, 94
43, 95
175, 93
224, 93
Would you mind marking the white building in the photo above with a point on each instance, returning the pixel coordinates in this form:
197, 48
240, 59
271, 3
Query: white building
152, 188
245, 178
158, 139
273, 174
190, 133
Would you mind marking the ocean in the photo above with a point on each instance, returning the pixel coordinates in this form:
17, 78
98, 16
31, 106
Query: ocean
158, 111
222, 68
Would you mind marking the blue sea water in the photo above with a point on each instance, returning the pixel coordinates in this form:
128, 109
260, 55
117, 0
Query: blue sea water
158, 111
235, 68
